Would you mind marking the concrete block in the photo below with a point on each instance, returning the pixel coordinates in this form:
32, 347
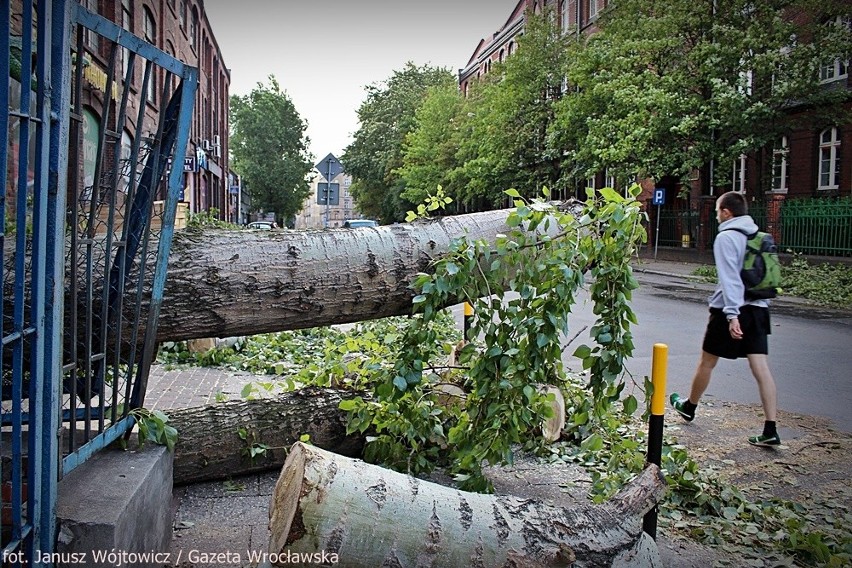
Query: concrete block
119, 502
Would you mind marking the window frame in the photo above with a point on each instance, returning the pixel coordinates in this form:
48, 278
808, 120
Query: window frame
831, 147
738, 174
781, 161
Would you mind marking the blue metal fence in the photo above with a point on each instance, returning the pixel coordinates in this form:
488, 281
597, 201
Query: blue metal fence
84, 259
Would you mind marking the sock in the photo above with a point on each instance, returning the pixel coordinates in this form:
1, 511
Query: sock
769, 428
689, 407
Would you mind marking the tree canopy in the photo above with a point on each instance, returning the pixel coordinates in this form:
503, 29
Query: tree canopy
664, 88
386, 117
269, 150
667, 86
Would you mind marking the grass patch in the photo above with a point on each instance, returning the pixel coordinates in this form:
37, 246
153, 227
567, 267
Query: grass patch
824, 284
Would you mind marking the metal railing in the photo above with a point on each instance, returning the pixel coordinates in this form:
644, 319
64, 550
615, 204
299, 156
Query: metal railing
817, 226
84, 258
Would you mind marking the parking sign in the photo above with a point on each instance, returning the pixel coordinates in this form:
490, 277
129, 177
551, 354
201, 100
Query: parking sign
659, 196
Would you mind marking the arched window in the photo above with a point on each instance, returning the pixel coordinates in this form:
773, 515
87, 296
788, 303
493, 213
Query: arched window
193, 30
829, 163
127, 24
780, 170
182, 13
563, 16
593, 9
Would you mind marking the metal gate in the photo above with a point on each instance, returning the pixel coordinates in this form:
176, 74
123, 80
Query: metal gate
88, 224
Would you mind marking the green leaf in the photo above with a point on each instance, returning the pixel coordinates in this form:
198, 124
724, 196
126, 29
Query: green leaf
400, 383
512, 193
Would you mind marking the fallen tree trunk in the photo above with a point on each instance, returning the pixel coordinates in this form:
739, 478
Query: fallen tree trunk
369, 516
216, 441
226, 283
210, 444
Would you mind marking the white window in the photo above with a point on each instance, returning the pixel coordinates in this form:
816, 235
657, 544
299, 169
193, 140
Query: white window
610, 179
590, 182
593, 9
738, 174
780, 169
838, 68
563, 16
829, 164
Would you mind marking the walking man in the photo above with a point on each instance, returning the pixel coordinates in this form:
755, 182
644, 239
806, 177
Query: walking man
737, 327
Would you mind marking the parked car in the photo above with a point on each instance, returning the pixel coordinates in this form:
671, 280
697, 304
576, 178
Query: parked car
355, 223
262, 225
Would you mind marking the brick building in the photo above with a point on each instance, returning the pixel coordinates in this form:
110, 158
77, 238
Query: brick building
181, 29
313, 214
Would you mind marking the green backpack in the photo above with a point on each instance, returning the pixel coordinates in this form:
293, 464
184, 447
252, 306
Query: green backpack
761, 272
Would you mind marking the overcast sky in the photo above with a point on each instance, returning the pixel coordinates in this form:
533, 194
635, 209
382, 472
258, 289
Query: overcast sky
324, 52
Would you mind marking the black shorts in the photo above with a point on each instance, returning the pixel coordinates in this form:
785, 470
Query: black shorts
754, 321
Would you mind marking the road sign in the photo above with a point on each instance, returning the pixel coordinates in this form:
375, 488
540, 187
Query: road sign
329, 167
326, 197
659, 196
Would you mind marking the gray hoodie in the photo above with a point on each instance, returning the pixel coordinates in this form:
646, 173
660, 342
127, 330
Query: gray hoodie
729, 252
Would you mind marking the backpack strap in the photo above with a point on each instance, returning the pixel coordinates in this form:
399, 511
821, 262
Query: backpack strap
749, 236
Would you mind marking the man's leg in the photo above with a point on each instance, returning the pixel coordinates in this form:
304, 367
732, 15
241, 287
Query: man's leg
702, 376
700, 381
759, 364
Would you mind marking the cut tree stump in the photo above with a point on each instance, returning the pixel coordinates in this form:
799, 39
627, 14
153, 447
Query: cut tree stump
210, 446
369, 517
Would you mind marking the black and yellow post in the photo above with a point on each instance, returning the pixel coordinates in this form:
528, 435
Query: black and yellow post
659, 363
468, 319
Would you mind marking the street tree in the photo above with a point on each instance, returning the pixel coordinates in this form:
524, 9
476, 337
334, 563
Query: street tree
386, 117
269, 149
430, 150
669, 87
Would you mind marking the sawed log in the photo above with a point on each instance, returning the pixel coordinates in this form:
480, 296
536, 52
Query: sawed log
367, 516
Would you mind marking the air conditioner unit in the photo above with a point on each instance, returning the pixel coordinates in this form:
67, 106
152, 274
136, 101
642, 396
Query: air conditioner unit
206, 145
217, 141
217, 151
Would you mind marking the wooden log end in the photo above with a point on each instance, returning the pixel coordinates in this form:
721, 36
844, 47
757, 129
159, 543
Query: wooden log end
551, 428
284, 514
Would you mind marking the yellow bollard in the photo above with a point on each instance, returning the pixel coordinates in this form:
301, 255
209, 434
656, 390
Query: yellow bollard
659, 364
468, 318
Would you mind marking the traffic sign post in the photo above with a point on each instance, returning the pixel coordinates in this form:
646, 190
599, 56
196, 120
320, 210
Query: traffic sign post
658, 199
329, 167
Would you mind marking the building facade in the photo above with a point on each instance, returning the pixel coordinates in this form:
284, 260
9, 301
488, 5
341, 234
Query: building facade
316, 215
179, 28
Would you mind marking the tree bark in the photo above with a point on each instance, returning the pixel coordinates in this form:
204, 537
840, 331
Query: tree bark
210, 446
226, 283
369, 516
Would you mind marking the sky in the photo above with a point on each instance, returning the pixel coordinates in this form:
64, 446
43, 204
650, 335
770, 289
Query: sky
323, 53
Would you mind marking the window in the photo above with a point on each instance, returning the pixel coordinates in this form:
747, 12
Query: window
182, 13
738, 174
193, 30
563, 16
593, 9
127, 24
838, 68
610, 179
91, 38
780, 170
150, 33
829, 163
590, 182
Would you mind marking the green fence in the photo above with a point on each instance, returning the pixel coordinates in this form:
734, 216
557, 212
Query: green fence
820, 226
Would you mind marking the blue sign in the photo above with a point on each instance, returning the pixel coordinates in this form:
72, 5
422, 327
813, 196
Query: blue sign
329, 167
326, 197
659, 196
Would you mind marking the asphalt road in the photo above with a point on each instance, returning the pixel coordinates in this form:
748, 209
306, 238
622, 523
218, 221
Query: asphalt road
810, 350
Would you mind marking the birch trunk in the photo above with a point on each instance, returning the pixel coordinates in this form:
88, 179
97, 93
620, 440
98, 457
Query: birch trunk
369, 517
